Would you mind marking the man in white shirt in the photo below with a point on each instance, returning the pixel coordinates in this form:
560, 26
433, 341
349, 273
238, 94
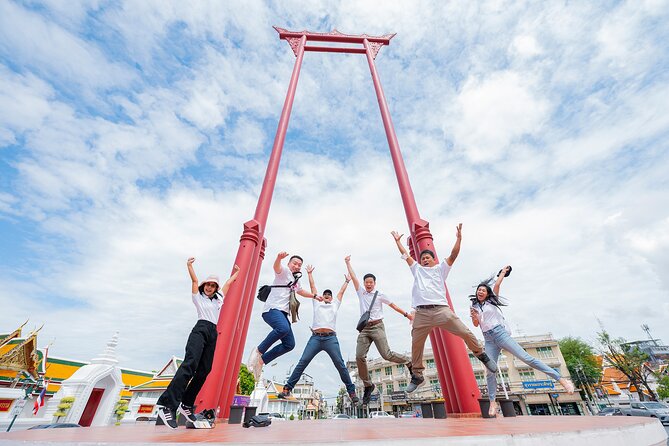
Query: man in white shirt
275, 313
428, 297
323, 338
374, 331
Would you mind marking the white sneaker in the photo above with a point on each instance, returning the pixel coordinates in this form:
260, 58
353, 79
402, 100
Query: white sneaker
252, 361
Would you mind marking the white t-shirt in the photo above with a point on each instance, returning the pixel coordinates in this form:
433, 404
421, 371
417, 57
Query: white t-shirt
279, 298
429, 284
208, 309
365, 299
325, 315
490, 316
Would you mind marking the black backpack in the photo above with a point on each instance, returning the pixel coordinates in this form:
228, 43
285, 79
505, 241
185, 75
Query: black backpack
258, 421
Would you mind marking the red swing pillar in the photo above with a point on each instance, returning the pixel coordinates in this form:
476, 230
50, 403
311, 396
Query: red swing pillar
232, 326
456, 359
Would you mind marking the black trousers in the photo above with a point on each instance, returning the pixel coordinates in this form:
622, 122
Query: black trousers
193, 371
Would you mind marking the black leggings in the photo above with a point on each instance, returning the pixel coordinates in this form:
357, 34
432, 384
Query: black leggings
193, 371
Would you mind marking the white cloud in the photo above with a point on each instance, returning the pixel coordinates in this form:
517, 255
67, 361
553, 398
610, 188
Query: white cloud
496, 111
514, 119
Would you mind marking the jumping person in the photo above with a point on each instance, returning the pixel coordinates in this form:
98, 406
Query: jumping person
275, 313
323, 338
486, 313
428, 297
191, 374
374, 331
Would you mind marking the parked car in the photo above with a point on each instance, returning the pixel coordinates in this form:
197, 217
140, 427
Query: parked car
611, 411
341, 416
54, 426
273, 416
651, 409
408, 414
380, 414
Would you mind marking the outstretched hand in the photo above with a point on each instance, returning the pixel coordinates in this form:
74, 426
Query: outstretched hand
190, 261
310, 269
347, 258
458, 231
397, 236
282, 255
347, 277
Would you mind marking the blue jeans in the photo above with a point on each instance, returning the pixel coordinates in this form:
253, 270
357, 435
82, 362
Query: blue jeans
497, 339
317, 344
281, 330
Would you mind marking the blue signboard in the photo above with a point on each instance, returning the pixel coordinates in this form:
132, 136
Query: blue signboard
547, 384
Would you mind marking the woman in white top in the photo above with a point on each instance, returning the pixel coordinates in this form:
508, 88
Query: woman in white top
191, 374
486, 313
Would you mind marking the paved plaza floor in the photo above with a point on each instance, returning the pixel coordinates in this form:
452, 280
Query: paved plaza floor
519, 431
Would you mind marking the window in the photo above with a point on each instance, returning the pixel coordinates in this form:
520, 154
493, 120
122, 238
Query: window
526, 375
480, 378
389, 388
505, 374
545, 352
400, 368
377, 374
402, 384
429, 363
389, 371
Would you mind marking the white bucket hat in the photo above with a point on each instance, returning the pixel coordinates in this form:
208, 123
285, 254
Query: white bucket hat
212, 278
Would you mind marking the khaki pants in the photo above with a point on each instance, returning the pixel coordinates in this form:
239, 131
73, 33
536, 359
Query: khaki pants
442, 317
377, 334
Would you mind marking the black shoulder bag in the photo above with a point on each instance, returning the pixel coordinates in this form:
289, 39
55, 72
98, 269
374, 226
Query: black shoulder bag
364, 319
263, 291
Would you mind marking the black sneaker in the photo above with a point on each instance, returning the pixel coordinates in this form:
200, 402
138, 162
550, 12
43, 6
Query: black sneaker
168, 416
367, 395
415, 383
187, 412
354, 397
487, 362
285, 393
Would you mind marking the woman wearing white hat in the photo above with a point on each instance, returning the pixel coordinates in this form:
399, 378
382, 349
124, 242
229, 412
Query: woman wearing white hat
189, 378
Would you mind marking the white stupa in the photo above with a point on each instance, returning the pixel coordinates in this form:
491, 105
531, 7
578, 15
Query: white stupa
95, 387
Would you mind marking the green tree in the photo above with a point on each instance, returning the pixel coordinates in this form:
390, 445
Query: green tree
246, 381
663, 387
120, 409
581, 362
340, 400
630, 361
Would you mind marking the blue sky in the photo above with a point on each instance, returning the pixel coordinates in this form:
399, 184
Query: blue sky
135, 134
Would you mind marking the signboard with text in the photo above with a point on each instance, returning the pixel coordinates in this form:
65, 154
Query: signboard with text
145, 408
5, 404
241, 400
546, 384
398, 395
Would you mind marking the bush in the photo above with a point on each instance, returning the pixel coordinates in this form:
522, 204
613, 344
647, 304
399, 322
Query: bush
292, 417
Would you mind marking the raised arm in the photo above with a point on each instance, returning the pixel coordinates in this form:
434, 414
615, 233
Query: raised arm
347, 279
400, 246
500, 278
401, 311
191, 273
456, 247
233, 277
312, 284
277, 263
354, 278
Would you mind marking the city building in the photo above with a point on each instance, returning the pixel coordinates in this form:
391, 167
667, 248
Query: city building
532, 392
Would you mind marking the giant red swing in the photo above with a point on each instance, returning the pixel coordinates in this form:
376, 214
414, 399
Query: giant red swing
455, 371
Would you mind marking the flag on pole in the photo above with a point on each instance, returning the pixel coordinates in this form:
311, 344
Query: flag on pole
39, 401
